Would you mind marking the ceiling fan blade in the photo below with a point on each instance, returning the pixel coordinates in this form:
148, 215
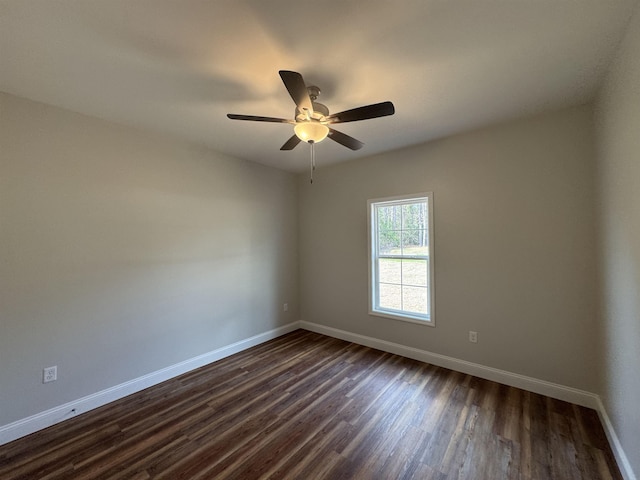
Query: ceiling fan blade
344, 139
363, 113
297, 89
291, 143
254, 118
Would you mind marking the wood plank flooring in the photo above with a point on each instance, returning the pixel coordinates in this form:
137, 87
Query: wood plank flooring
306, 406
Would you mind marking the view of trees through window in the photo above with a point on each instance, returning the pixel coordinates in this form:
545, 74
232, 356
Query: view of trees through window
402, 261
403, 229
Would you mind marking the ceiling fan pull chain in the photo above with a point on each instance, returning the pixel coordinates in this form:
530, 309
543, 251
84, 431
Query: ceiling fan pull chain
313, 156
313, 159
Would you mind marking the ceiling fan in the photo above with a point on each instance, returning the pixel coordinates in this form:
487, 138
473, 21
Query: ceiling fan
312, 120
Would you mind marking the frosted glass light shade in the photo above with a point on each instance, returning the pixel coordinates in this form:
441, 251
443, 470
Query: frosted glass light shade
311, 131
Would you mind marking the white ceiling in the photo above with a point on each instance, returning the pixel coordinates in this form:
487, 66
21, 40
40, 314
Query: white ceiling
179, 66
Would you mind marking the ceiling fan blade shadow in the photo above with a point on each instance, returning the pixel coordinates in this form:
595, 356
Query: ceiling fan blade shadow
255, 118
294, 83
344, 139
291, 143
375, 110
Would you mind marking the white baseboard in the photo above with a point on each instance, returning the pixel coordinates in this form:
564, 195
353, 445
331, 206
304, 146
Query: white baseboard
554, 390
50, 417
614, 441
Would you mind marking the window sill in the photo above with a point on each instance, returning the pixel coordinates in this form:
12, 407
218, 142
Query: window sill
403, 318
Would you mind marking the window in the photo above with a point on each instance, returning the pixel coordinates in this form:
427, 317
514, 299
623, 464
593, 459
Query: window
401, 258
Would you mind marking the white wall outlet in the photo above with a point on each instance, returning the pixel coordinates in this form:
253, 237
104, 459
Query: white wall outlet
473, 336
285, 307
49, 374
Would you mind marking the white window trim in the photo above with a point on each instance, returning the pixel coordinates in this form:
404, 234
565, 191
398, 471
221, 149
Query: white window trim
373, 280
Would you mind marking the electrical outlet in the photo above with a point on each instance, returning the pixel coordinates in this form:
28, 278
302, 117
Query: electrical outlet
473, 336
50, 374
285, 307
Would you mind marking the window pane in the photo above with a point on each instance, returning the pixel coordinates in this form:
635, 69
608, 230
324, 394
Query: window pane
414, 216
389, 270
390, 296
414, 299
414, 272
415, 242
389, 242
389, 217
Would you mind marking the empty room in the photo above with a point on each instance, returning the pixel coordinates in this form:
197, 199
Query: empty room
319, 240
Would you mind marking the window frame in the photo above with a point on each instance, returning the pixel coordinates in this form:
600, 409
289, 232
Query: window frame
374, 255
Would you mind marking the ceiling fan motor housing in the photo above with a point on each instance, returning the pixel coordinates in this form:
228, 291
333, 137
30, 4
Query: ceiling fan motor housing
319, 110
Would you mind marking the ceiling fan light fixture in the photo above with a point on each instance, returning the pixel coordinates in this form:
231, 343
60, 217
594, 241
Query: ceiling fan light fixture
311, 131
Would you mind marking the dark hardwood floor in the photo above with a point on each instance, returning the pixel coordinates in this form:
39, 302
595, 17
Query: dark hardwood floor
306, 406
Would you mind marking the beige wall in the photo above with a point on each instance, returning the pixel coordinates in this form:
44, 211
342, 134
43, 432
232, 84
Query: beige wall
514, 245
122, 253
618, 128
